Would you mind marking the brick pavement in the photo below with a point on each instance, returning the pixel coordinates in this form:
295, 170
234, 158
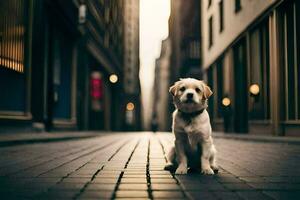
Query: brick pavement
130, 165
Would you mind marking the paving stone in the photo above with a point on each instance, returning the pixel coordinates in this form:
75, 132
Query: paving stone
159, 172
23, 193
102, 186
68, 186
172, 198
283, 195
161, 176
134, 180
164, 186
124, 186
203, 186
228, 179
135, 172
96, 195
200, 195
36, 186
196, 179
237, 186
226, 195
143, 169
43, 180
108, 175
135, 176
131, 194
56, 195
275, 186
252, 179
167, 194
282, 179
130, 198
79, 176
249, 195
163, 180
76, 180
105, 180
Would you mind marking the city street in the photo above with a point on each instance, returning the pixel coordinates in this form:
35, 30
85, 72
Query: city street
88, 88
130, 165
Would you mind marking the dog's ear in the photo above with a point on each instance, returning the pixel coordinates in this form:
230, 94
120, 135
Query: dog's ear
207, 92
173, 88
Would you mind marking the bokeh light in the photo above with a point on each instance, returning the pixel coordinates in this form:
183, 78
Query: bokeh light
113, 78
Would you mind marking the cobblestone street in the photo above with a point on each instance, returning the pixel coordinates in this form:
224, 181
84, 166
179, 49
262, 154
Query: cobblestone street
130, 165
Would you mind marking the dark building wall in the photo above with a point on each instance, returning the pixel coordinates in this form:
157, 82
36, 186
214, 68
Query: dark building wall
53, 89
15, 62
257, 71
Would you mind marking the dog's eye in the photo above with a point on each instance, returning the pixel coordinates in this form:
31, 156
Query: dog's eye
197, 90
182, 89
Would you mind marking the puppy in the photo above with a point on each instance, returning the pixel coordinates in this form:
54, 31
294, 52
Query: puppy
192, 129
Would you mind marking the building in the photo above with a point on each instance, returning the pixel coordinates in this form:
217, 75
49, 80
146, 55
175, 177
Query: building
184, 32
131, 80
185, 40
56, 60
251, 59
161, 115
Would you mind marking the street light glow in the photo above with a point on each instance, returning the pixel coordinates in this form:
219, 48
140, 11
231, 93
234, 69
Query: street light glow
130, 106
254, 89
113, 78
226, 101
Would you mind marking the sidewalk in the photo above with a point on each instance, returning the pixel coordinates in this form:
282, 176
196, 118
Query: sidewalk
9, 139
130, 165
258, 138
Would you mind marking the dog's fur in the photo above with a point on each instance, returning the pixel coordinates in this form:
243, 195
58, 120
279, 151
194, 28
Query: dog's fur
192, 129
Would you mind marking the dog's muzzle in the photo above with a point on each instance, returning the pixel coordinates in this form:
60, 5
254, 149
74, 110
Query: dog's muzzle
189, 98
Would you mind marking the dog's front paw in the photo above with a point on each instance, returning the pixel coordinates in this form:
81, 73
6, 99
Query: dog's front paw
215, 168
170, 167
181, 170
207, 171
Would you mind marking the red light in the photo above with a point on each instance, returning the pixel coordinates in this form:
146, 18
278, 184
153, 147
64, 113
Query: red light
96, 89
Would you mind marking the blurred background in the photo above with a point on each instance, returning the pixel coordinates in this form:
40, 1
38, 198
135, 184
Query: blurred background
107, 64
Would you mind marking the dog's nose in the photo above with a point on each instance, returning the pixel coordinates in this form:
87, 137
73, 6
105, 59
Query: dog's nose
189, 95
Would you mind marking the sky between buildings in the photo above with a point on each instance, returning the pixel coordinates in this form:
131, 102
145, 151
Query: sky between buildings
154, 15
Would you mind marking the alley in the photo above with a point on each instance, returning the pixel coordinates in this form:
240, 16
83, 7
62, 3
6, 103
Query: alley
130, 165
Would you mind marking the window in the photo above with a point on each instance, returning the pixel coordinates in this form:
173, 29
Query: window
210, 29
238, 5
12, 35
221, 15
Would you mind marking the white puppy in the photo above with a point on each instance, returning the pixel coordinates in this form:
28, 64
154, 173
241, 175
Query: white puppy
192, 129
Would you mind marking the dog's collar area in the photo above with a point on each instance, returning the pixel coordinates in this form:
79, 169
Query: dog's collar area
188, 116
